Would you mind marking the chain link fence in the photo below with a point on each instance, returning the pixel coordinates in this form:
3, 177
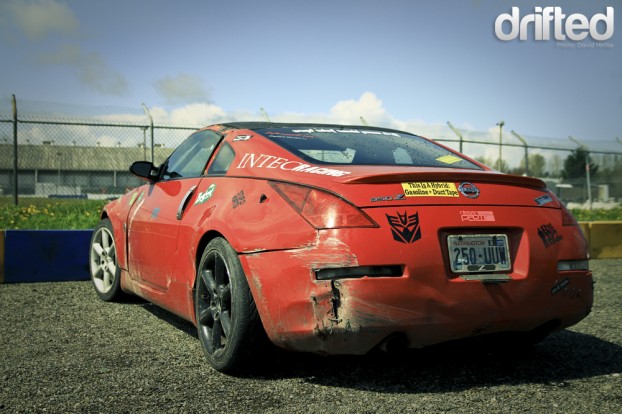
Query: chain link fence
65, 150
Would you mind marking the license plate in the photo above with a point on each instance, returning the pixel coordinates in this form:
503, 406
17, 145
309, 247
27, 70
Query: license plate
469, 253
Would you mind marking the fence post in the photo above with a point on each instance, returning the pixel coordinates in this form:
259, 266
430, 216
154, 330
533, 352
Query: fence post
457, 133
587, 170
15, 171
526, 151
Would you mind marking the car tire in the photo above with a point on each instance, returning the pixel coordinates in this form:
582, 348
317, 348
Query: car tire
103, 263
228, 323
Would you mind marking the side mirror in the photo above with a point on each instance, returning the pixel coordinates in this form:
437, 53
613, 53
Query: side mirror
144, 169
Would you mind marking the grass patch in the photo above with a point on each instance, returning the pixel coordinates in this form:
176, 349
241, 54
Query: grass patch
49, 214
598, 214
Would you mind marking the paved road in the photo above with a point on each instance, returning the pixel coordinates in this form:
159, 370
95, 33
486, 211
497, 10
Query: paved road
62, 350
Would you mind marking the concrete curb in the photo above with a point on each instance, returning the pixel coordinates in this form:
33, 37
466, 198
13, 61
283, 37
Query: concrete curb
62, 255
604, 238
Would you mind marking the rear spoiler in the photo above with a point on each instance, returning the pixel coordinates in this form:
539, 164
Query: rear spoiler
479, 177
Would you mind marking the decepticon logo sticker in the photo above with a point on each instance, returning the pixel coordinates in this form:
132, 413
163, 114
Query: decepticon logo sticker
576, 27
405, 227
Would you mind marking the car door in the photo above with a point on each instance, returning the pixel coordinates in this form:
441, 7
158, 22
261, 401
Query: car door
153, 223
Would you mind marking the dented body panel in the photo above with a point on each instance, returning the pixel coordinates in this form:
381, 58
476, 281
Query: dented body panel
427, 303
403, 268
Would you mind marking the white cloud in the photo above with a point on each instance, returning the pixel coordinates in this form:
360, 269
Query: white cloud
368, 106
39, 18
182, 88
198, 114
90, 68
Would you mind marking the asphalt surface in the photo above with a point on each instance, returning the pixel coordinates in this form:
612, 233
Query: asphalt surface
63, 350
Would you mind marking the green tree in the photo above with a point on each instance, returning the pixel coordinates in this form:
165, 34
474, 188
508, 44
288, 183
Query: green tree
501, 165
537, 163
555, 164
574, 164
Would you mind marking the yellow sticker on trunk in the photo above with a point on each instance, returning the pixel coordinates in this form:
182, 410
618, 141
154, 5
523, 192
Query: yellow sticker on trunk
430, 189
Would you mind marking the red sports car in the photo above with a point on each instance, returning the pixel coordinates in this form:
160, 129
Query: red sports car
339, 239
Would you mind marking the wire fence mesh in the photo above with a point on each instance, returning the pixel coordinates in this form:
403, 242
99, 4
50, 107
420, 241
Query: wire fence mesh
68, 150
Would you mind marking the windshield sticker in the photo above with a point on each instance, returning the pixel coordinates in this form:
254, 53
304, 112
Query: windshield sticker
477, 215
250, 160
242, 138
346, 131
430, 189
448, 159
542, 200
206, 195
405, 227
281, 134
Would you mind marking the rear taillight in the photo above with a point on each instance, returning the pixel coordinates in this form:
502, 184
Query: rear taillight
567, 218
321, 209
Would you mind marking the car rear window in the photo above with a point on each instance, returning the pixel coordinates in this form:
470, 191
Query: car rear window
362, 146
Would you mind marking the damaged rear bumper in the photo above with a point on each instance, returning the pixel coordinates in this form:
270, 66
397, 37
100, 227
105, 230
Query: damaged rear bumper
421, 305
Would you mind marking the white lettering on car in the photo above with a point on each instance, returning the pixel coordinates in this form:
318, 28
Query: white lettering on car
251, 160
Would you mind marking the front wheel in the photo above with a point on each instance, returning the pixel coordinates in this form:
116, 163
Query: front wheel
103, 263
228, 324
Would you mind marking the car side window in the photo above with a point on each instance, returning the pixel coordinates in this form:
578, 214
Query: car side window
191, 157
222, 160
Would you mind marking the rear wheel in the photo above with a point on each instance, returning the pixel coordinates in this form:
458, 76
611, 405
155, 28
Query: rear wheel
103, 264
228, 324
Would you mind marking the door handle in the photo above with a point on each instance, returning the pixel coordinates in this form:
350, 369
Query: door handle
184, 202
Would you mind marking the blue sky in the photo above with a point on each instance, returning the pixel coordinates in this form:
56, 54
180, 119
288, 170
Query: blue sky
394, 62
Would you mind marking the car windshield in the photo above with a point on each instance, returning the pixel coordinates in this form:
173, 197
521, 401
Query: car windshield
363, 146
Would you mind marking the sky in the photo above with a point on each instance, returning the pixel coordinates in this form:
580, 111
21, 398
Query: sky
402, 63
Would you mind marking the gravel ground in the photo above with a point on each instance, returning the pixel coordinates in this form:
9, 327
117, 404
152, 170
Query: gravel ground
63, 350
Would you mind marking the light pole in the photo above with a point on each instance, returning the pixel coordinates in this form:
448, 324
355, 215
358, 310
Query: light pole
151, 126
59, 160
500, 125
457, 133
587, 170
526, 151
144, 143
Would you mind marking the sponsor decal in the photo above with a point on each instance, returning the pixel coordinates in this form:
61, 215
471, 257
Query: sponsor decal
396, 197
291, 135
477, 215
448, 159
468, 190
558, 286
430, 189
273, 162
242, 138
544, 199
576, 27
238, 199
346, 131
405, 227
155, 212
206, 195
549, 235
